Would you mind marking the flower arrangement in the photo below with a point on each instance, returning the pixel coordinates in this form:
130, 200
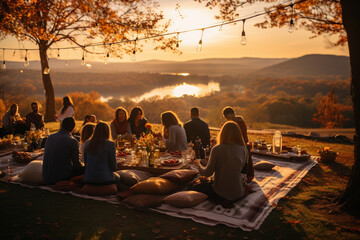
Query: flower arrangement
149, 141
32, 136
327, 155
148, 127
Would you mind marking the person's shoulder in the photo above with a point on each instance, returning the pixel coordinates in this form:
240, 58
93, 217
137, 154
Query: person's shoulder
239, 118
203, 122
188, 123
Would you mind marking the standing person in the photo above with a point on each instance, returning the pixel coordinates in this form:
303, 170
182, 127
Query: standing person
67, 110
174, 133
100, 157
12, 121
61, 154
85, 133
227, 159
120, 125
229, 114
35, 117
197, 128
137, 121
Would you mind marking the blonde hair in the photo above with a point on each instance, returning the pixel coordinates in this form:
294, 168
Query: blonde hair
231, 133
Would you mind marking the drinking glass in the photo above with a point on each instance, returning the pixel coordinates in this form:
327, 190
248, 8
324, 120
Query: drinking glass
268, 146
299, 149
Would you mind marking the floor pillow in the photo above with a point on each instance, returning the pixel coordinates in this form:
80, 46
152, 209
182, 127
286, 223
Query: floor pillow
264, 166
154, 185
66, 186
144, 200
99, 190
185, 199
131, 177
32, 173
180, 176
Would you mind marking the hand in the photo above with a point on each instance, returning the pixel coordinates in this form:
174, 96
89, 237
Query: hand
197, 162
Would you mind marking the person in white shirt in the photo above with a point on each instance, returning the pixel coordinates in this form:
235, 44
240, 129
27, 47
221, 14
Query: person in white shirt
67, 110
174, 133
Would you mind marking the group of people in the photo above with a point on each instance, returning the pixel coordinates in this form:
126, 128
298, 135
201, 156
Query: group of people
230, 160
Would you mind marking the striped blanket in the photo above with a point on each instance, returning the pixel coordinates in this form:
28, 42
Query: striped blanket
248, 214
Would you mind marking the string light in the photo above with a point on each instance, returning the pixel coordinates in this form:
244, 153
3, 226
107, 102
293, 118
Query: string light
177, 43
199, 46
133, 56
83, 57
220, 28
46, 70
58, 52
26, 63
243, 40
291, 25
3, 65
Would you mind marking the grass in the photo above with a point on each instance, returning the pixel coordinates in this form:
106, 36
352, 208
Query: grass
307, 212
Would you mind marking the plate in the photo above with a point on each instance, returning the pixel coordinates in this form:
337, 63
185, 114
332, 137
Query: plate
176, 162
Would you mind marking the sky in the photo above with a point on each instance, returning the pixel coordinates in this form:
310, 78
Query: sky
262, 43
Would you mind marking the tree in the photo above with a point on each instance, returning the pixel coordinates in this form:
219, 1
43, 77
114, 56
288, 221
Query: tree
329, 113
46, 22
321, 17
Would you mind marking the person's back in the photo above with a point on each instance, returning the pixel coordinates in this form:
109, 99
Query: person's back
99, 167
61, 155
197, 128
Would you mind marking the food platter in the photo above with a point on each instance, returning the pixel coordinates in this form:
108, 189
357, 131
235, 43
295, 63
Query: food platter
171, 162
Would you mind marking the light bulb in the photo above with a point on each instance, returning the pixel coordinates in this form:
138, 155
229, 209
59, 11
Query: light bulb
243, 40
21, 70
291, 26
26, 63
46, 70
105, 60
133, 56
177, 47
199, 46
3, 65
88, 65
83, 61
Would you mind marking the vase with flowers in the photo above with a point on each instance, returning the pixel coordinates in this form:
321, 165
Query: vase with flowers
326, 155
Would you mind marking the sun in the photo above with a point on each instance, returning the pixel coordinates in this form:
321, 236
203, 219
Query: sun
185, 89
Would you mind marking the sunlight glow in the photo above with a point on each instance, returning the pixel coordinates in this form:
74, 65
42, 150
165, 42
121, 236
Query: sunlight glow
185, 89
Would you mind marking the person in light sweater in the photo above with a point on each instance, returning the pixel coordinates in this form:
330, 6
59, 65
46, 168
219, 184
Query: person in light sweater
67, 110
174, 133
227, 159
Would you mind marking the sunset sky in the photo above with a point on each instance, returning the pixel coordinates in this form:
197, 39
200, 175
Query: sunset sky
265, 43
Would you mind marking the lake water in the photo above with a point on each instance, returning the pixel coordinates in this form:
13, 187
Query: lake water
197, 90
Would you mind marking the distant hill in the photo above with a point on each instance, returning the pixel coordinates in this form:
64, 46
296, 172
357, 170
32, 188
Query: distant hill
211, 66
310, 65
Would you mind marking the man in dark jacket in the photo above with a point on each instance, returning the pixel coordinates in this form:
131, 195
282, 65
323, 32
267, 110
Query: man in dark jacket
197, 128
61, 154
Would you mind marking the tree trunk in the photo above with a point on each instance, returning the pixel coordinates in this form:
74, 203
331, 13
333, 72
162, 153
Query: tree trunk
351, 18
48, 87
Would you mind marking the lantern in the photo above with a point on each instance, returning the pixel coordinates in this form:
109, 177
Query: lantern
277, 142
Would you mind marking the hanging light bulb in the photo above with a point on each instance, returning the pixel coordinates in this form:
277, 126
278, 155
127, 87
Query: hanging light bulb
26, 63
46, 70
220, 28
291, 25
243, 40
3, 65
199, 46
58, 53
88, 65
21, 70
108, 53
177, 43
133, 56
83, 57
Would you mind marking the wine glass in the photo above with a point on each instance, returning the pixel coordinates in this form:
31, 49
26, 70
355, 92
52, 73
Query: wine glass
268, 146
299, 149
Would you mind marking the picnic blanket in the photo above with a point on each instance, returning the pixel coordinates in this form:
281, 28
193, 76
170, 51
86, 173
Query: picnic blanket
268, 187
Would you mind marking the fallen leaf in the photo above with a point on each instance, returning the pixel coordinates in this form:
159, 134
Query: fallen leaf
185, 232
294, 222
194, 229
157, 223
155, 230
211, 233
124, 217
132, 234
2, 191
117, 214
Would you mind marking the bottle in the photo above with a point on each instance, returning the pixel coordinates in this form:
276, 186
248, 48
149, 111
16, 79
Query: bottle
197, 147
151, 159
201, 150
144, 158
32, 127
277, 142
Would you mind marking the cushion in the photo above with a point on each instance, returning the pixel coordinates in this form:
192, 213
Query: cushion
132, 177
185, 199
144, 200
66, 186
77, 179
32, 173
99, 190
124, 194
180, 176
264, 166
154, 185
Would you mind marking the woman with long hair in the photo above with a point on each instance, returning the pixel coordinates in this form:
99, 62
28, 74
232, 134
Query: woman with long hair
67, 110
120, 124
11, 119
227, 159
137, 121
85, 134
100, 157
174, 133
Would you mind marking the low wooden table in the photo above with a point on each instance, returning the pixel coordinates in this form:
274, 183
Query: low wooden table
123, 163
285, 157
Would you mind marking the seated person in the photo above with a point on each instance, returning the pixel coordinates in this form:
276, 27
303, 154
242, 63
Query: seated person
89, 119
61, 154
197, 128
100, 157
85, 133
227, 159
35, 117
120, 125
174, 133
12, 121
137, 121
229, 114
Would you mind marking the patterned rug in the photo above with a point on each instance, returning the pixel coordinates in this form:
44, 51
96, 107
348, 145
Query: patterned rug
248, 214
